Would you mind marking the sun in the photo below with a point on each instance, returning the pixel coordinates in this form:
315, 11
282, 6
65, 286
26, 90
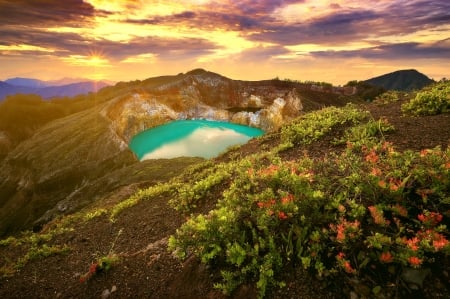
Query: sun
97, 59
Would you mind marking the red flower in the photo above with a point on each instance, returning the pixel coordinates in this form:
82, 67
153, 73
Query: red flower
348, 268
421, 217
377, 215
260, 204
412, 243
439, 241
414, 261
282, 215
386, 257
375, 171
93, 268
287, 199
372, 157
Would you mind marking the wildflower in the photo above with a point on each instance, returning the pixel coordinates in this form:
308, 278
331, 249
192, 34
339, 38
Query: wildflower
345, 228
424, 152
375, 171
382, 184
421, 217
260, 204
394, 184
440, 242
282, 215
250, 171
412, 243
372, 157
400, 210
430, 218
386, 257
377, 215
287, 199
93, 268
348, 267
414, 261
269, 170
341, 255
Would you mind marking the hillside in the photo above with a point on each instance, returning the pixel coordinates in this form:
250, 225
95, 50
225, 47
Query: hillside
57, 159
118, 243
403, 80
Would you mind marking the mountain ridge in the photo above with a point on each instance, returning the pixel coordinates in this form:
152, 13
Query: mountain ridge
46, 89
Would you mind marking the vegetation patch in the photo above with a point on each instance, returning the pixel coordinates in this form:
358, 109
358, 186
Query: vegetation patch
369, 212
430, 101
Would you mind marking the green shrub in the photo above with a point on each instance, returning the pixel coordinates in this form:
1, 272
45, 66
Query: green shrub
367, 208
431, 101
314, 125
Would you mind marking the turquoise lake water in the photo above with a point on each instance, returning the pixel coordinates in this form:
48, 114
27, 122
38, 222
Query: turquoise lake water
190, 138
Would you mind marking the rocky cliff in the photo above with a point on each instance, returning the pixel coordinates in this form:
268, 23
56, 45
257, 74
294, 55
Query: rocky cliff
203, 95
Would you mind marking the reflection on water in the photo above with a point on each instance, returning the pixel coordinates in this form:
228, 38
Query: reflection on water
190, 138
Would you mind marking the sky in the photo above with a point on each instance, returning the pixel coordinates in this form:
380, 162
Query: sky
325, 40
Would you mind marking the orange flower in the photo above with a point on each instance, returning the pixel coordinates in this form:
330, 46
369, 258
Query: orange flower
400, 210
386, 257
372, 157
375, 171
287, 199
414, 261
412, 243
377, 215
382, 184
282, 215
348, 267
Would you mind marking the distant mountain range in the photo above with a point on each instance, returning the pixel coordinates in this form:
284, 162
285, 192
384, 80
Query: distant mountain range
67, 87
404, 80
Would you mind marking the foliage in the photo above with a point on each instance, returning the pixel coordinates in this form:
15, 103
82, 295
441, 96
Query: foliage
366, 134
369, 209
431, 101
387, 97
103, 263
313, 126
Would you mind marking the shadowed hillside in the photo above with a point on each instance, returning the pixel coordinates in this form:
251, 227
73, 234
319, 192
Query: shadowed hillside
404, 80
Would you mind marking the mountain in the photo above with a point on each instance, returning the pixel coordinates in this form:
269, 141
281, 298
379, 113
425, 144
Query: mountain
45, 90
27, 82
403, 80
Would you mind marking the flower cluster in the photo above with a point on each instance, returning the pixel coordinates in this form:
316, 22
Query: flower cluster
346, 230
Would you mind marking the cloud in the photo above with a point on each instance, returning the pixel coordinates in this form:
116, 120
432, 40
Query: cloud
401, 51
65, 44
45, 13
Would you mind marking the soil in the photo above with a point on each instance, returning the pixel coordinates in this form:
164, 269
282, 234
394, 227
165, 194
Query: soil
140, 235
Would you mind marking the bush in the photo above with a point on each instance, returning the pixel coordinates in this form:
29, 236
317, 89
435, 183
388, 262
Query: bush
431, 101
367, 208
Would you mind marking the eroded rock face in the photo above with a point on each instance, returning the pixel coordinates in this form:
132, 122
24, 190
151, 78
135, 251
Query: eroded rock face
201, 97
